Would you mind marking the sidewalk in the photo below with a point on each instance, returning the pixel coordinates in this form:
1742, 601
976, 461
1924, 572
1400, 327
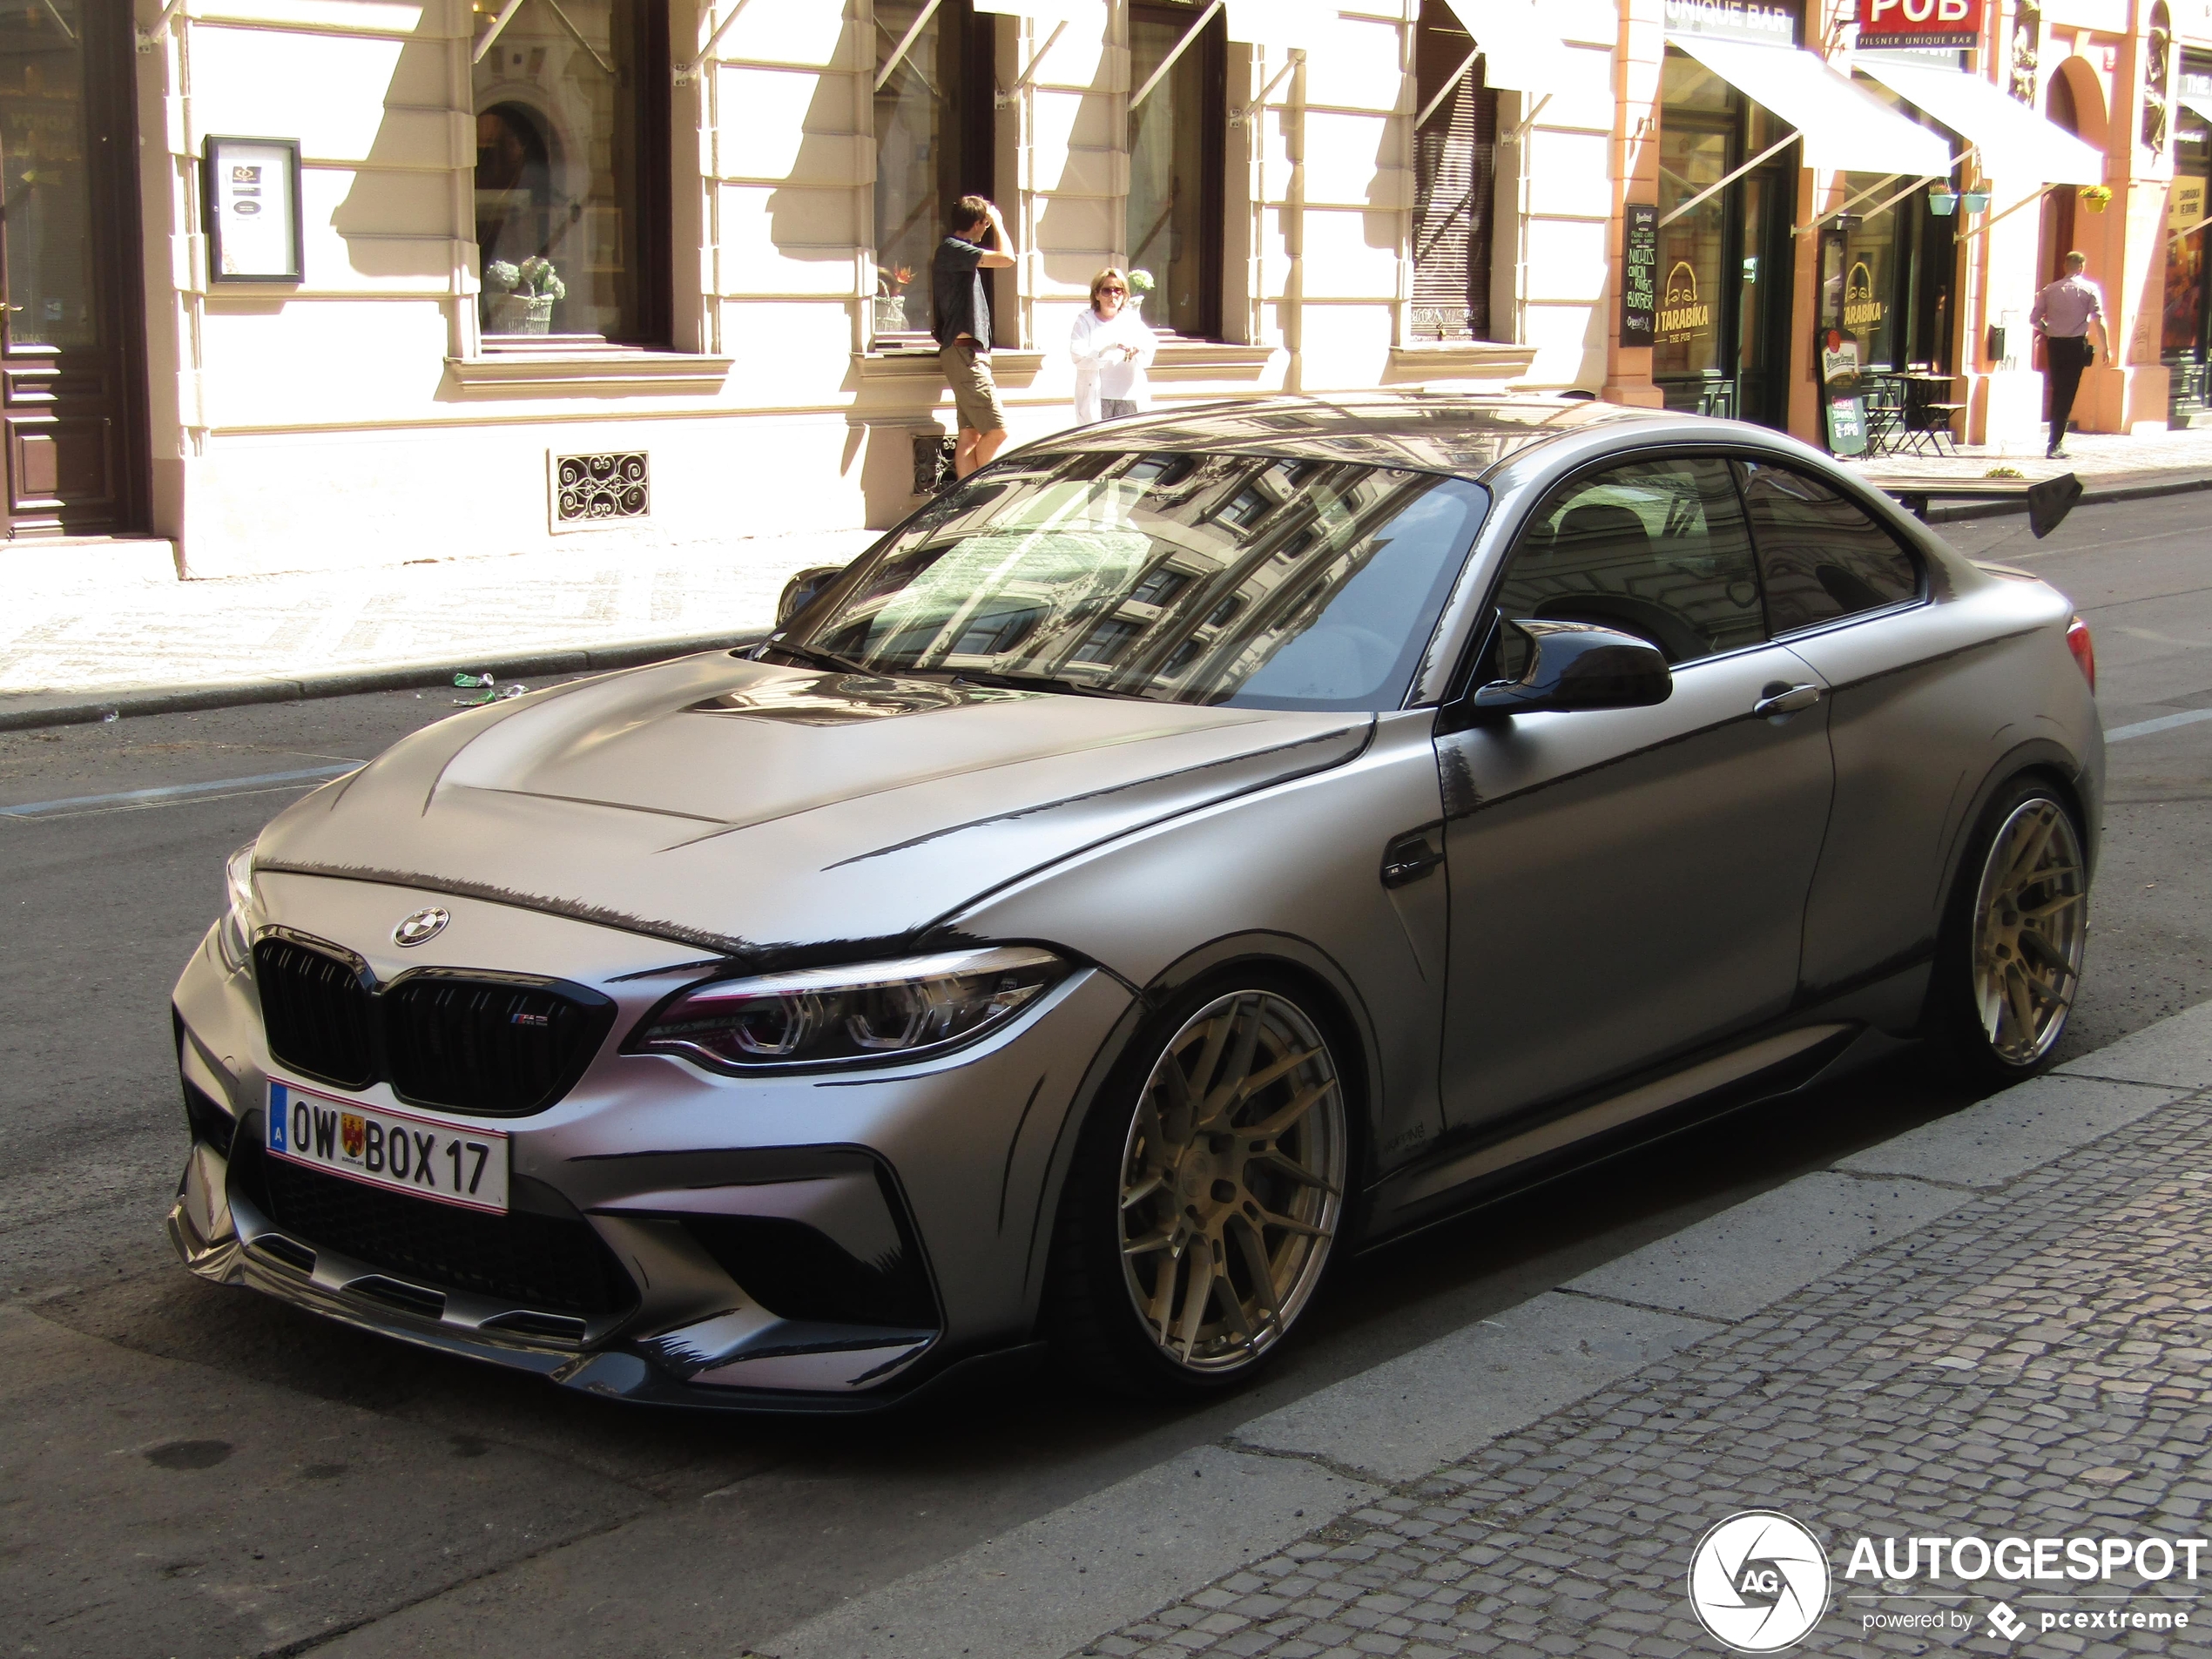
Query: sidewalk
1995, 1326
2103, 462
125, 637
126, 640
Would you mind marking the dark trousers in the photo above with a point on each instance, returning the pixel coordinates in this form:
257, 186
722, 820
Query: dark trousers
2067, 355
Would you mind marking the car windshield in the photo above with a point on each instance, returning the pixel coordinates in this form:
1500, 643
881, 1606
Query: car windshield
1249, 580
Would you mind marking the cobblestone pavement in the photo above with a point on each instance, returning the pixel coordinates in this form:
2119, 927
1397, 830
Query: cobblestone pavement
2094, 457
2032, 1365
102, 634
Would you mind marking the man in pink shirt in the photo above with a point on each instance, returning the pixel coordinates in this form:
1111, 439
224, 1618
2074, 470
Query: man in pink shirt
2063, 313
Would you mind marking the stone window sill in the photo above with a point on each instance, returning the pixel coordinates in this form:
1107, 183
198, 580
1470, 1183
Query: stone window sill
1492, 361
920, 363
589, 373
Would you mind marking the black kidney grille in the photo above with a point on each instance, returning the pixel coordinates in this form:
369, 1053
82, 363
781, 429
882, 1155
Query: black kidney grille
319, 1016
484, 1046
540, 1262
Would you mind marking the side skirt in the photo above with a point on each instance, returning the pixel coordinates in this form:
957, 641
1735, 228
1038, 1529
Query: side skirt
1527, 1154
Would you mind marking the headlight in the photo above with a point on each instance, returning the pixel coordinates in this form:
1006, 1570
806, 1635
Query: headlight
236, 934
837, 1015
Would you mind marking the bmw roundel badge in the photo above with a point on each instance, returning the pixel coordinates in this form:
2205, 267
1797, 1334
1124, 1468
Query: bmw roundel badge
420, 927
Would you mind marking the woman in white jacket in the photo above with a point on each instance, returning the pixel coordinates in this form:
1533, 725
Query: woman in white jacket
1111, 347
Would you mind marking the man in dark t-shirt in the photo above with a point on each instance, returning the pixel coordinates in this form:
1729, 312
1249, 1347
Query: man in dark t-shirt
960, 323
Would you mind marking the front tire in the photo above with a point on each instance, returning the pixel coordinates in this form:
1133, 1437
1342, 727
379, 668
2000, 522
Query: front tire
1205, 1197
2008, 966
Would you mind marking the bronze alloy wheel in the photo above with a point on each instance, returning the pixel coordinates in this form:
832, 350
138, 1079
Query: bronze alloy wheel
2030, 923
1232, 1181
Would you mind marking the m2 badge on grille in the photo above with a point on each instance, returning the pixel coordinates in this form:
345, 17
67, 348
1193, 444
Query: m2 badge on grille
386, 1148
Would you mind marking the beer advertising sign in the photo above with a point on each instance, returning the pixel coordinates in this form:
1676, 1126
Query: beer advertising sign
1940, 25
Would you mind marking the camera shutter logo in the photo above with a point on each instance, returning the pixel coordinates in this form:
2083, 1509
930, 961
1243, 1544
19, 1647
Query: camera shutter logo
1759, 1581
420, 927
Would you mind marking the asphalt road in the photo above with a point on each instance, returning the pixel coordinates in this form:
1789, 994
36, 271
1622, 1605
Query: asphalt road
195, 1471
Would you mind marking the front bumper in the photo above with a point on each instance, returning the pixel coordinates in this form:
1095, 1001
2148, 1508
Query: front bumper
827, 1242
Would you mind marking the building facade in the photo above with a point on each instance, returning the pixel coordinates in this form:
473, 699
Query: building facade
302, 284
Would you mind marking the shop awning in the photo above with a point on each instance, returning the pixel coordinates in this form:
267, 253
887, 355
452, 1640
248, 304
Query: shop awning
2017, 145
2197, 103
1520, 51
1843, 126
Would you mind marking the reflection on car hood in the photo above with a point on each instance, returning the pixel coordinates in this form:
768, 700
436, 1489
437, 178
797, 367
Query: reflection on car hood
751, 808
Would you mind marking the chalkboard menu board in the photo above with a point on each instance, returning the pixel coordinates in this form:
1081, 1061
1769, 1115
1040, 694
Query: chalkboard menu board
1639, 274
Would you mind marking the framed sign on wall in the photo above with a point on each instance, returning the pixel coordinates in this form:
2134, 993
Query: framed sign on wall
250, 203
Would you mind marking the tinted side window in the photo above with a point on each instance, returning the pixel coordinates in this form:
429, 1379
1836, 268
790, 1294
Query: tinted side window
1820, 556
1657, 548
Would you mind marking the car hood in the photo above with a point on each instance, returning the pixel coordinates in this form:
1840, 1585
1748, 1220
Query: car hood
762, 810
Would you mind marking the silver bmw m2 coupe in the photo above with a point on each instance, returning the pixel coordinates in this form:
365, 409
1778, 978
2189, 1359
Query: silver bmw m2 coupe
1192, 849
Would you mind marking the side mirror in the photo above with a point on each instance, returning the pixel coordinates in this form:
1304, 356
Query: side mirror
799, 592
1575, 666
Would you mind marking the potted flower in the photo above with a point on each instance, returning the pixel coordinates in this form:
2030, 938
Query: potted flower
519, 298
1140, 284
891, 299
1942, 201
2093, 197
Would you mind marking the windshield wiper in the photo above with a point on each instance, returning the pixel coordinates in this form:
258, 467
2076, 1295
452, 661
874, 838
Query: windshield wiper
819, 658
1036, 682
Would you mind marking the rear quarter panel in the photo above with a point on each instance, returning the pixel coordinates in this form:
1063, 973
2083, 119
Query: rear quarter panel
1932, 708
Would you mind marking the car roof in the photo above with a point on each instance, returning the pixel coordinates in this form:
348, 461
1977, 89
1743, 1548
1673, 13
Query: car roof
1463, 433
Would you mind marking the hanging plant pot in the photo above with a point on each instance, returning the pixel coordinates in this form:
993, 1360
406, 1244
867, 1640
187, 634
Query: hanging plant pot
1973, 201
2093, 197
1943, 203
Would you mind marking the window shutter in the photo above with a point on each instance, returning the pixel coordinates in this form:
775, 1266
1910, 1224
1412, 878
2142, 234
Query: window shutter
1455, 179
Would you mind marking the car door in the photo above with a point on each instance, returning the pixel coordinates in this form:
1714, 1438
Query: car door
1908, 725
1627, 884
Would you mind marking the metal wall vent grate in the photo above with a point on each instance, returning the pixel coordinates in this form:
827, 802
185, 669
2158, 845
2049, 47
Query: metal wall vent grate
597, 491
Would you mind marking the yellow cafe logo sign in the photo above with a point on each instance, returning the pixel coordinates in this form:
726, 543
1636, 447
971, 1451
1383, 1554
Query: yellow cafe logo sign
1681, 312
1861, 308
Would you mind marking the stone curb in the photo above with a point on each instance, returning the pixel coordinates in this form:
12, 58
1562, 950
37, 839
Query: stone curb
2092, 495
25, 712
1030, 1593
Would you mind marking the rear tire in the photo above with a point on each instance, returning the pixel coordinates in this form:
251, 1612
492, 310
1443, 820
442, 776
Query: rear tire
1205, 1197
2008, 961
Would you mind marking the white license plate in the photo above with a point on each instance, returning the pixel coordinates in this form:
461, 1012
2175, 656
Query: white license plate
422, 1156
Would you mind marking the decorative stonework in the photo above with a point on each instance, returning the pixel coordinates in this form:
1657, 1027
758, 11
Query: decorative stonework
2028, 41
597, 491
2158, 57
933, 453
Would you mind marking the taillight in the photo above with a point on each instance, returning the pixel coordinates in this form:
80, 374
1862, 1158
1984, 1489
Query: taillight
2084, 650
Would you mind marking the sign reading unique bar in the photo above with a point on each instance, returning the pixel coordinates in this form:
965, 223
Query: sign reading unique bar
1936, 23
1639, 274
1763, 25
250, 203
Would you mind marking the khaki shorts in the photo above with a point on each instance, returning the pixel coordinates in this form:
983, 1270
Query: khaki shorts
975, 395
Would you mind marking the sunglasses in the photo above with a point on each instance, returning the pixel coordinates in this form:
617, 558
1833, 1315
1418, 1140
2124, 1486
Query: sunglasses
1110, 289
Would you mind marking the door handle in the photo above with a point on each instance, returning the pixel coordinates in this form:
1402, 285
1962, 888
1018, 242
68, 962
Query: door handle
1781, 698
1412, 855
